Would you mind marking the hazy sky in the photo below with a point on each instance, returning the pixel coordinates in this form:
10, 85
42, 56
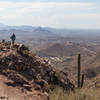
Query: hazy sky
83, 14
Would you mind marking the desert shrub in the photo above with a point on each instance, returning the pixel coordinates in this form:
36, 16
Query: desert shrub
25, 53
82, 94
24, 50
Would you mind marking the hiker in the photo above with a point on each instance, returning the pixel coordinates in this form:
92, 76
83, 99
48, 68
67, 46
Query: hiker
13, 38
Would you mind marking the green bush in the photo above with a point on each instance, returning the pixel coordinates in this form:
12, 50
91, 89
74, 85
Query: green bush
25, 53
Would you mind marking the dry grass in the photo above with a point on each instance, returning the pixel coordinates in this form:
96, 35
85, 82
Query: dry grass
82, 94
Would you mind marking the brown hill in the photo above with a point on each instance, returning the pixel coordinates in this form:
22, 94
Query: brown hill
61, 49
28, 73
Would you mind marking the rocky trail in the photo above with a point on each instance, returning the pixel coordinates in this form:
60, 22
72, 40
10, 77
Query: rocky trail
26, 76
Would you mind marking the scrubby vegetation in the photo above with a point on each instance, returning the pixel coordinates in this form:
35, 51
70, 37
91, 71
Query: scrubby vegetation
79, 94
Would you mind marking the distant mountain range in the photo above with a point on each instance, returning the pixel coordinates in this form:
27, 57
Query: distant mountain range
26, 31
27, 28
30, 32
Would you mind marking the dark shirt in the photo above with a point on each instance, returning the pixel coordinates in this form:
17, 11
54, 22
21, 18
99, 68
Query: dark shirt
13, 37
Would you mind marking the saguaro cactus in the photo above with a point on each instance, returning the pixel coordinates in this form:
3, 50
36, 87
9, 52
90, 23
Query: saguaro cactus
79, 72
82, 80
79, 80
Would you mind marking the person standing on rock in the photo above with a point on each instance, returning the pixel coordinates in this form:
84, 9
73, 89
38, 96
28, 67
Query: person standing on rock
13, 38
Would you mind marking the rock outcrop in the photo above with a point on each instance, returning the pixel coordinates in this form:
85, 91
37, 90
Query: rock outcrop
28, 70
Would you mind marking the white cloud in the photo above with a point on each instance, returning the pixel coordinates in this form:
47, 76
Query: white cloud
85, 20
39, 5
63, 14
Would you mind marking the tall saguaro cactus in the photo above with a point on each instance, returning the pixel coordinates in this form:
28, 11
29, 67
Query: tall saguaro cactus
79, 70
80, 80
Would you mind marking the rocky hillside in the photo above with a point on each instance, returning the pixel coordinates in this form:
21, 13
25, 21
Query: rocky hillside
33, 76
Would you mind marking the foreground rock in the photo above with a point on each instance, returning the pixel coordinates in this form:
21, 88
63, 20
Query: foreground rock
29, 71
